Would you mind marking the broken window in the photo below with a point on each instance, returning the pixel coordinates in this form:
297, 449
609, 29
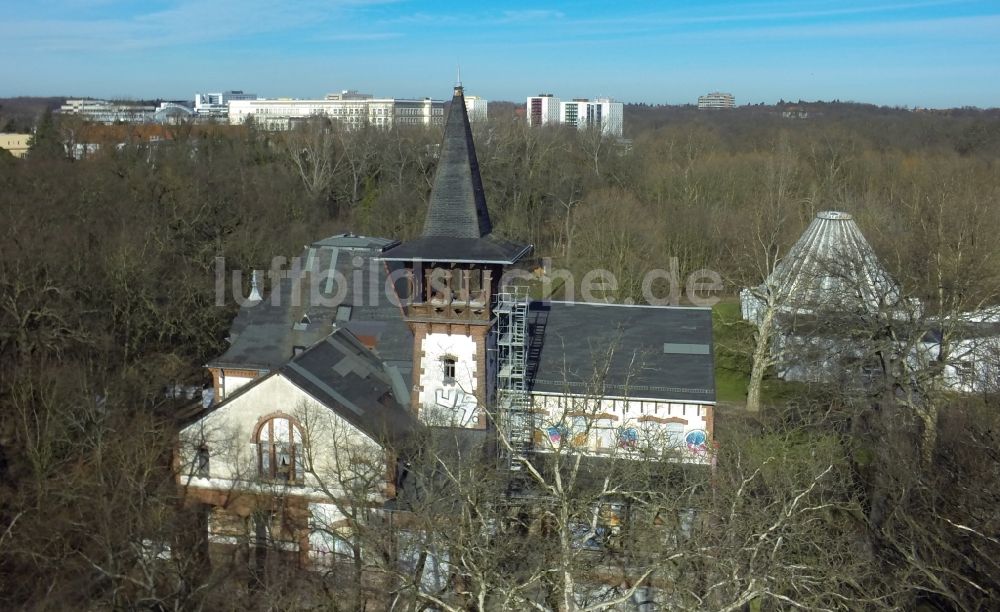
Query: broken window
201, 462
280, 451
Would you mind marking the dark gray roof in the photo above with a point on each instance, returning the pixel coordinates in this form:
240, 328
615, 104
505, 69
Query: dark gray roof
458, 205
353, 241
458, 227
344, 283
490, 250
343, 375
616, 350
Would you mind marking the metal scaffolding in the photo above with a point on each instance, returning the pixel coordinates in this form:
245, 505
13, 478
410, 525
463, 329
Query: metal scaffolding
512, 361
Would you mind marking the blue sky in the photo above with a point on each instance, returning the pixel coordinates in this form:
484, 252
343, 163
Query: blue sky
897, 52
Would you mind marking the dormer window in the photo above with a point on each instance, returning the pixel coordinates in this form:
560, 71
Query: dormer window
448, 365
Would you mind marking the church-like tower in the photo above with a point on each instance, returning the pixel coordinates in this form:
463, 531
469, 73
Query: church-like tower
453, 273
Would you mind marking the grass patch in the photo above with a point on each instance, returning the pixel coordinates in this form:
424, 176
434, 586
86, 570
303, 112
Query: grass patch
733, 339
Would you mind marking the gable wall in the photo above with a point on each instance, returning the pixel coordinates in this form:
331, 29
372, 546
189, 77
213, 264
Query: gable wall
335, 448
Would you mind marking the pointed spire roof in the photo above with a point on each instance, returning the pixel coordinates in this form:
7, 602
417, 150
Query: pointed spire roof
458, 206
457, 227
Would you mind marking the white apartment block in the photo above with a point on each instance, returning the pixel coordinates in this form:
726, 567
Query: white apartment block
543, 109
600, 113
350, 108
717, 99
477, 108
217, 104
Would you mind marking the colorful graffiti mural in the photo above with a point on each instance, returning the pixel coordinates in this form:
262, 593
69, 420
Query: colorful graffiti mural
628, 438
697, 441
556, 434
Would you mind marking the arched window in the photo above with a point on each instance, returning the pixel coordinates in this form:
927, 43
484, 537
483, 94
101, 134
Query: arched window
280, 451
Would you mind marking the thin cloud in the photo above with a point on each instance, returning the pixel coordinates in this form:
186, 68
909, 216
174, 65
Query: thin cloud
182, 23
358, 36
748, 14
530, 15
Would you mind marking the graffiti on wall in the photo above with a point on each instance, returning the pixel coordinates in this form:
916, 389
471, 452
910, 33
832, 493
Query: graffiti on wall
463, 405
697, 441
628, 438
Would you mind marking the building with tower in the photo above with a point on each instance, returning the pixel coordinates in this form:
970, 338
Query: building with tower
366, 344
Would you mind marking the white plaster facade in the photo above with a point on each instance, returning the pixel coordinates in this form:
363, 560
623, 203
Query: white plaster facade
335, 456
623, 426
448, 400
229, 383
352, 112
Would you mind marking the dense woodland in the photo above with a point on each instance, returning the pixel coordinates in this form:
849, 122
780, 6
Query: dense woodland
828, 498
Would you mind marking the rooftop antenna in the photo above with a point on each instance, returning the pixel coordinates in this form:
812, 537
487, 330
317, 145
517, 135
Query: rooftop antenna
458, 76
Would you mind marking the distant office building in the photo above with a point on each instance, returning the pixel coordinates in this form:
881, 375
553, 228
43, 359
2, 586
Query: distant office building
102, 111
349, 108
543, 109
717, 99
600, 113
349, 94
216, 105
476, 108
16, 144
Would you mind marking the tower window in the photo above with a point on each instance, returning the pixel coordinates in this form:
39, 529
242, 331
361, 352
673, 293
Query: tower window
448, 364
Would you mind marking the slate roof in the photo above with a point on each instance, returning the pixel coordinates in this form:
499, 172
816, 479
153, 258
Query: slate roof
487, 250
345, 376
343, 283
662, 353
342, 374
458, 205
457, 227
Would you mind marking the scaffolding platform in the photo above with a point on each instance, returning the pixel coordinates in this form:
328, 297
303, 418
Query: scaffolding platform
512, 393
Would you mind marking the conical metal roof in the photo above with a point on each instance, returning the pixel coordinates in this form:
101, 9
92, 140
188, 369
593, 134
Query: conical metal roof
832, 266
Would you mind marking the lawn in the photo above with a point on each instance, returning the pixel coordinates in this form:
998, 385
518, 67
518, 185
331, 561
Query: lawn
733, 339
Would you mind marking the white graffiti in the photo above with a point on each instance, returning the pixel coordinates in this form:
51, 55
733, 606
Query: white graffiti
456, 399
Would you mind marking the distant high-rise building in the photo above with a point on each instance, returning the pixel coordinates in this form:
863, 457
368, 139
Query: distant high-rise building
600, 113
543, 109
717, 99
477, 108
